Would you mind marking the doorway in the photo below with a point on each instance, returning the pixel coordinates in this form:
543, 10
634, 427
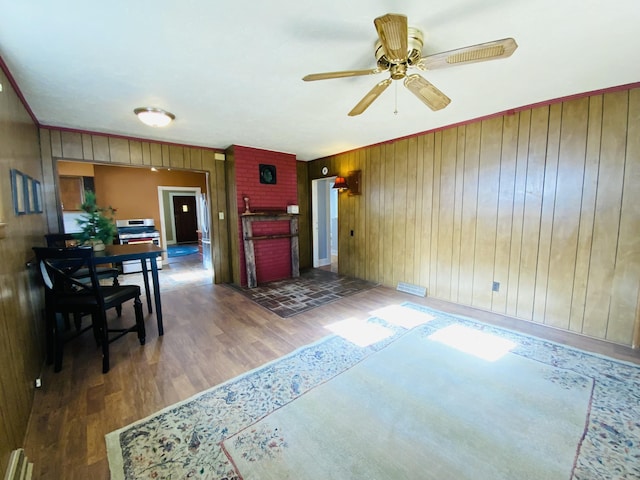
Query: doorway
171, 214
185, 218
324, 212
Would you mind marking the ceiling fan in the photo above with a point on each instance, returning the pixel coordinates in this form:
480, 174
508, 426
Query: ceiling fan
399, 48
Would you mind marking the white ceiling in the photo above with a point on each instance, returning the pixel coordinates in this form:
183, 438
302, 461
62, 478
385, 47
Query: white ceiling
231, 70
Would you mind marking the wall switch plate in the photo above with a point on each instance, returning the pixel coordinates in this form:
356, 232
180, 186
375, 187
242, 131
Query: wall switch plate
495, 287
220, 215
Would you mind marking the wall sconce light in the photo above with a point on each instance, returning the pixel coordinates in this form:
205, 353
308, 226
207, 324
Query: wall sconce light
354, 179
154, 117
341, 184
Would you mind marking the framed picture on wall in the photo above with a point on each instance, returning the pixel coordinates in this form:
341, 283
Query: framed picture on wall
268, 174
18, 192
28, 194
36, 196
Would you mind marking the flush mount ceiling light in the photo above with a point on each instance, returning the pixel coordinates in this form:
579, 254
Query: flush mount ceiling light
154, 117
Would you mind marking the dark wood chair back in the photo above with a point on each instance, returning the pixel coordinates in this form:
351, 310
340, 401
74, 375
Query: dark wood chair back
67, 294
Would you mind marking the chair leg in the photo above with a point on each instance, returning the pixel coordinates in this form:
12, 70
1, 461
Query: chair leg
119, 307
58, 342
142, 333
105, 340
50, 331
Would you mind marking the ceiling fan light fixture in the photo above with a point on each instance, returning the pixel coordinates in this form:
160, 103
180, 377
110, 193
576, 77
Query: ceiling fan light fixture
154, 117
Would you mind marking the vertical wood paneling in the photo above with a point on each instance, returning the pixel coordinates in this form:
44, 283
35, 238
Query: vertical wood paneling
469, 213
56, 143
519, 195
304, 227
488, 188
607, 216
195, 159
71, 145
220, 202
135, 152
626, 278
587, 214
372, 194
361, 219
532, 212
566, 215
457, 214
399, 202
427, 211
410, 233
386, 248
87, 147
435, 216
100, 145
119, 150
548, 205
544, 201
21, 343
446, 207
504, 226
176, 156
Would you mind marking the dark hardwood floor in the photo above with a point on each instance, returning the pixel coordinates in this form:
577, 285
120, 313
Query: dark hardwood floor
212, 333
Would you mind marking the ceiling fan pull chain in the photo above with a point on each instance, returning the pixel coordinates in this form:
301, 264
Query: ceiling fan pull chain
395, 112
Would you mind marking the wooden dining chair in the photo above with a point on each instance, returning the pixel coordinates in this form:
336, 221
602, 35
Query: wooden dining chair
67, 240
67, 295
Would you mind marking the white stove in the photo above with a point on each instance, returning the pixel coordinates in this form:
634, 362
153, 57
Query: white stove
137, 230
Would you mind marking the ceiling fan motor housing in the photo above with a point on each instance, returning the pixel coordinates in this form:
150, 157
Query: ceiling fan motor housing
415, 42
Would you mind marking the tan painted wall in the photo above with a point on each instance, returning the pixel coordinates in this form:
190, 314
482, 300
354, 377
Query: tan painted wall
545, 201
21, 345
133, 192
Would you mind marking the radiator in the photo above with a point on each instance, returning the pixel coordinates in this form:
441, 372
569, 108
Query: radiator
19, 467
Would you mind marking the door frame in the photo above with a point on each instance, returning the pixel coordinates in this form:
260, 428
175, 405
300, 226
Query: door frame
315, 185
197, 192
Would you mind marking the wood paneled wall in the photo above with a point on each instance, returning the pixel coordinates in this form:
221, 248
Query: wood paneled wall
63, 145
304, 225
21, 303
545, 201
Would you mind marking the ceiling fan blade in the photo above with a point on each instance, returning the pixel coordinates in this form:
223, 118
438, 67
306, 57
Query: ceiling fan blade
425, 91
347, 73
472, 54
370, 97
393, 32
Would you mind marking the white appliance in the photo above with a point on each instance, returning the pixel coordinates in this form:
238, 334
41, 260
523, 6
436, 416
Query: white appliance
138, 230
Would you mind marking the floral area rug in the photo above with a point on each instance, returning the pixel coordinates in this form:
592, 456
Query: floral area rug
412, 393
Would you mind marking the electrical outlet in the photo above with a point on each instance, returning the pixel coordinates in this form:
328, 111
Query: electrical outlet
495, 287
38, 382
352, 233
220, 215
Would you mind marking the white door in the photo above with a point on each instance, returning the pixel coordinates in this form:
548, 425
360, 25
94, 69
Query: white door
321, 214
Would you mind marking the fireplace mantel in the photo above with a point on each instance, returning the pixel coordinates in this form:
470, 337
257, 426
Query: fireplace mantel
249, 238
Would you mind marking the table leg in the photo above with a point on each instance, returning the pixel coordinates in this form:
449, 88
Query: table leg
156, 294
145, 276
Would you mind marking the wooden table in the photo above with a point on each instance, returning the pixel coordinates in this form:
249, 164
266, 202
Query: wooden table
142, 252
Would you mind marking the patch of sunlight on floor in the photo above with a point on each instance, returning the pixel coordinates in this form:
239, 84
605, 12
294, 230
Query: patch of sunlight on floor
480, 344
190, 276
402, 316
360, 332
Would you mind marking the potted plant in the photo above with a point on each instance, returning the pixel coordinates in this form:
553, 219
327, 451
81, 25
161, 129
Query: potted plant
96, 223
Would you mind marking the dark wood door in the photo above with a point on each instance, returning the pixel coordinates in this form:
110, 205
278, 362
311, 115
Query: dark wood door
186, 220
